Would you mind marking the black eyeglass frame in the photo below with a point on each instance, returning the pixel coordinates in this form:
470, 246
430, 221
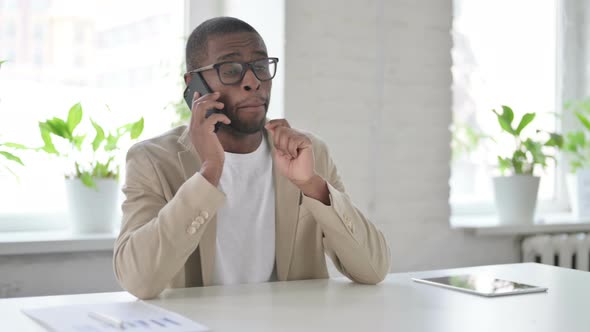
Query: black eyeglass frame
245, 66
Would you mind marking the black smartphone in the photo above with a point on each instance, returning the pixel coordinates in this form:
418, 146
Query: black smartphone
199, 85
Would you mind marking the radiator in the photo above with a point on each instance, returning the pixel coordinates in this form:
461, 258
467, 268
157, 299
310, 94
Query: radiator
565, 250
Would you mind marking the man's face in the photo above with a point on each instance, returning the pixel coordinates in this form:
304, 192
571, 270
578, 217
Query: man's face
246, 102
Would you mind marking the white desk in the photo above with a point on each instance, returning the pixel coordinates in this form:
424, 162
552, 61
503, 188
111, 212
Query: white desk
397, 304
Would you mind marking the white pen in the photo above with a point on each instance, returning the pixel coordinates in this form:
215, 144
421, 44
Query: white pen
112, 321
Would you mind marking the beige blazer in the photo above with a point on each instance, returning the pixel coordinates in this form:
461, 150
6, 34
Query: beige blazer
168, 231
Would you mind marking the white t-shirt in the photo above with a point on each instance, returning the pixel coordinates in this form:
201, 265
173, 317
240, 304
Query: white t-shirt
245, 250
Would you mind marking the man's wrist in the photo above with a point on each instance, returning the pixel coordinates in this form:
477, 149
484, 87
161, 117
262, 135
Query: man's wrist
317, 188
211, 173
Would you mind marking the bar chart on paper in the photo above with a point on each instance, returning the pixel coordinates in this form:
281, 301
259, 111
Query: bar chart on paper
134, 316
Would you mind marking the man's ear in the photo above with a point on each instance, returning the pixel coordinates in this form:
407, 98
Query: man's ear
187, 78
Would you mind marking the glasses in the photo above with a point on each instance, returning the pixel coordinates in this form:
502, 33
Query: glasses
232, 72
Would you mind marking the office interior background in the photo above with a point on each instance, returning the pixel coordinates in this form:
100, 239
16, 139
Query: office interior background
385, 83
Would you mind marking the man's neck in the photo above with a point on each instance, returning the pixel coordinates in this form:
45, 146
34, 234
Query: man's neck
239, 143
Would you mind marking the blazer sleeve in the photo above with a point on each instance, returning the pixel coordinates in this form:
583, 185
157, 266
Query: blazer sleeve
357, 248
158, 236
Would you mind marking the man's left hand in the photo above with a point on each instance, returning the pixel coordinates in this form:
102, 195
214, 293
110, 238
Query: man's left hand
293, 152
294, 158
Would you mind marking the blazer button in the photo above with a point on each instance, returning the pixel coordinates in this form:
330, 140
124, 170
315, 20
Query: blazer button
199, 220
205, 214
191, 230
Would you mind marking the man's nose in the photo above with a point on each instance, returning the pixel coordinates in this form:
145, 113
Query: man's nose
250, 81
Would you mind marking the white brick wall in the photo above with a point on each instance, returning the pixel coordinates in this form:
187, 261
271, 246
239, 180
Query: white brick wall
373, 79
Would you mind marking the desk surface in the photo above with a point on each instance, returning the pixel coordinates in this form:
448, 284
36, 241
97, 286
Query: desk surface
397, 304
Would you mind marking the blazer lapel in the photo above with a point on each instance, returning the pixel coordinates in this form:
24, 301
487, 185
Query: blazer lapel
287, 198
191, 163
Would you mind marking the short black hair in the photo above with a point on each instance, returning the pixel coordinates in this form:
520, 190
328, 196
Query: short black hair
196, 46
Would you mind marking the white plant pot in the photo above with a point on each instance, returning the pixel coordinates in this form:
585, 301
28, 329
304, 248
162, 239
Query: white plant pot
93, 210
516, 198
578, 188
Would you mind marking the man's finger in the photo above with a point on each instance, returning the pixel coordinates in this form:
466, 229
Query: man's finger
292, 145
276, 135
200, 108
273, 124
197, 98
284, 142
212, 120
218, 117
284, 155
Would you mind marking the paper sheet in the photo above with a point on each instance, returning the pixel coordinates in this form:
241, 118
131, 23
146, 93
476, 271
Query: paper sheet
136, 316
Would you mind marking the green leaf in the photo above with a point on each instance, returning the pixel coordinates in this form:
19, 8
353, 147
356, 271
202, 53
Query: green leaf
505, 119
99, 138
574, 140
555, 140
124, 129
137, 129
97, 170
101, 170
16, 146
583, 119
74, 117
111, 143
106, 166
45, 135
11, 157
87, 180
77, 141
59, 128
526, 119
536, 150
78, 173
504, 164
519, 161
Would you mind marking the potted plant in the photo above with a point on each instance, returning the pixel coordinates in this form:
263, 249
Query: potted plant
577, 148
516, 190
92, 178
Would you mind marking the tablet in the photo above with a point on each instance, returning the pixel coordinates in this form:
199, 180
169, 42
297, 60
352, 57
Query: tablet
483, 285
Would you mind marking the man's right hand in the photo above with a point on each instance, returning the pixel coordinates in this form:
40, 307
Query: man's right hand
203, 136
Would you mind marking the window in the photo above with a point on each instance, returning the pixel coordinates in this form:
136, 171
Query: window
504, 53
128, 55
124, 54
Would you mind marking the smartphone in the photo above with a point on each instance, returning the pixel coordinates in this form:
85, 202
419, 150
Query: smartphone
199, 85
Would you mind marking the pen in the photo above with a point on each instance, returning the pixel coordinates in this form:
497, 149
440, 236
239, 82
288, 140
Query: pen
112, 321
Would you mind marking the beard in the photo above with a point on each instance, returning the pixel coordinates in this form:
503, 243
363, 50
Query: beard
244, 126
